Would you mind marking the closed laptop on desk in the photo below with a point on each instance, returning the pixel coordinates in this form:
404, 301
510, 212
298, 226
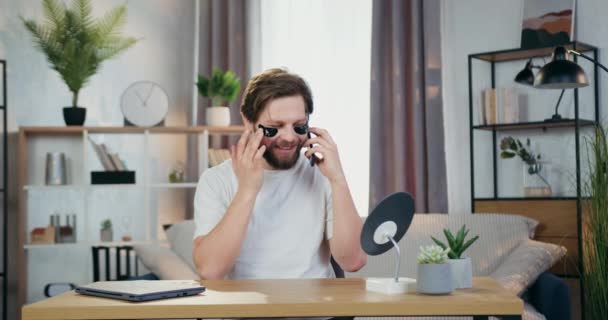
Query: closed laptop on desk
142, 290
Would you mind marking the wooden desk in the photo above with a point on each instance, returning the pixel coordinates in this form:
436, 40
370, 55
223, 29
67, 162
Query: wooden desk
285, 298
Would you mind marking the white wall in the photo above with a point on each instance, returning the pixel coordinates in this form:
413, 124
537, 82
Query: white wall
472, 26
37, 94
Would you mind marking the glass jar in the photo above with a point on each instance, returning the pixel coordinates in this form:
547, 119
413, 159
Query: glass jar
535, 182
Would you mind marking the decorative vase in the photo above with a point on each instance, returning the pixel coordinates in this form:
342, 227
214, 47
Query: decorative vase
535, 183
55, 173
74, 116
462, 273
218, 116
106, 235
434, 279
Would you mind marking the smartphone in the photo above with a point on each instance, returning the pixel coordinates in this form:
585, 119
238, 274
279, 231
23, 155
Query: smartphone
313, 159
315, 156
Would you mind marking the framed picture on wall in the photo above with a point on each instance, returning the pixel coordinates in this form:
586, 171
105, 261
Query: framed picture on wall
547, 23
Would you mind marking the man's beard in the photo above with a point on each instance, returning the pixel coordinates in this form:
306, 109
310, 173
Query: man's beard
284, 162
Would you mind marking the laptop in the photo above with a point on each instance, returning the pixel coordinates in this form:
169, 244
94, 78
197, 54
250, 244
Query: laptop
142, 290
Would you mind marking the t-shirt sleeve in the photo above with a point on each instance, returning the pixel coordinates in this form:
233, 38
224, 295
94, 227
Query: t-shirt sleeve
329, 212
209, 203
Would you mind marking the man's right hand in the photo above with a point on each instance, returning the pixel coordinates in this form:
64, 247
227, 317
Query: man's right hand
248, 161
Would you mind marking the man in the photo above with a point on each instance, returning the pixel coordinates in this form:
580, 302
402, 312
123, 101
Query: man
267, 212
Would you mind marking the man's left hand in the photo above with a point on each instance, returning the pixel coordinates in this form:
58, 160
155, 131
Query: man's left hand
329, 165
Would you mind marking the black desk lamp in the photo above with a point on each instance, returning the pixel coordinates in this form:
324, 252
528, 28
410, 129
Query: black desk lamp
526, 77
562, 73
383, 229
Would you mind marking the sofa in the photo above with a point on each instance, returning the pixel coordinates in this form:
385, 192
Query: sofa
505, 251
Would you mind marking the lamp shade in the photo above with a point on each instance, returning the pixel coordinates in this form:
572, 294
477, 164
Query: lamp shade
390, 218
526, 76
560, 73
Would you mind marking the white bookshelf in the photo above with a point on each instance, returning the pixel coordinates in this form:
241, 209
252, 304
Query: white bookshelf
86, 197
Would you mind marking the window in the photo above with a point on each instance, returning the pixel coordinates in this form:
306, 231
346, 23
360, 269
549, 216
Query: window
328, 43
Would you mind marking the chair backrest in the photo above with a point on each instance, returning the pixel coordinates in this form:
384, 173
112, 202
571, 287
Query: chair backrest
118, 273
337, 270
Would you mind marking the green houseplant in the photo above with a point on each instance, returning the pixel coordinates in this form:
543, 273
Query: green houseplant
433, 273
595, 228
75, 44
222, 88
462, 267
106, 233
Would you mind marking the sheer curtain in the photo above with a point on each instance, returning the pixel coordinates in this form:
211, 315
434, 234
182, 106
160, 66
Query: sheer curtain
328, 43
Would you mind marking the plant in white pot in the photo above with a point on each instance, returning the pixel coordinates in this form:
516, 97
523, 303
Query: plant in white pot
106, 234
462, 268
434, 274
75, 44
222, 88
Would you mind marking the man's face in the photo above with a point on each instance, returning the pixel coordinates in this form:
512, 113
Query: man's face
285, 113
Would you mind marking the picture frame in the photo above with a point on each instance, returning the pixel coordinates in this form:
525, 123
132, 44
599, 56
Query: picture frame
547, 23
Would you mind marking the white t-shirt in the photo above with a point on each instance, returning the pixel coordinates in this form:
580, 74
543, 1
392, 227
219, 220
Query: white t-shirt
289, 228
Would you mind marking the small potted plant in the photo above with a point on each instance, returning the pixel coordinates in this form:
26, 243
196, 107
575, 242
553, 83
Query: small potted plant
462, 268
535, 185
222, 88
76, 43
106, 231
434, 274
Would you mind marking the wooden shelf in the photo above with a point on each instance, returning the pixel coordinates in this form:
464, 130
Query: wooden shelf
519, 54
181, 185
76, 130
169, 185
92, 243
525, 199
566, 123
83, 187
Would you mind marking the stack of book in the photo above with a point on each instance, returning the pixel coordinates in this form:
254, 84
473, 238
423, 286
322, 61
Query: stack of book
217, 156
109, 161
501, 105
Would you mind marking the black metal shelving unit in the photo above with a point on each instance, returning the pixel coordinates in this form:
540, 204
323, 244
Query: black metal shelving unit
576, 124
4, 193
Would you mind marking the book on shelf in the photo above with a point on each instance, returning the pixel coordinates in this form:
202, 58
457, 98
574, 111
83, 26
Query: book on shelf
500, 105
217, 156
109, 161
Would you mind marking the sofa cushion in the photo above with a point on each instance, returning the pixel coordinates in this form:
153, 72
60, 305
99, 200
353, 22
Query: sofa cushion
164, 263
523, 266
180, 238
499, 234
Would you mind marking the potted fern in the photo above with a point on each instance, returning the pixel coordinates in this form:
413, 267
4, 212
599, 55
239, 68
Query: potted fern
222, 88
462, 268
75, 44
434, 274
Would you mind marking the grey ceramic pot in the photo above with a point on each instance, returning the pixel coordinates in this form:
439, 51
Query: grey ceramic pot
434, 279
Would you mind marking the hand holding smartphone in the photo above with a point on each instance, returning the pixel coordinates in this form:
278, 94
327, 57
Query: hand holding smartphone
315, 156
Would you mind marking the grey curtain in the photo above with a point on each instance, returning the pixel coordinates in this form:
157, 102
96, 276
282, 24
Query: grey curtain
223, 44
407, 144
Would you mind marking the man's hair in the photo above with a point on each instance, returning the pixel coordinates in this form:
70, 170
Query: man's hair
269, 85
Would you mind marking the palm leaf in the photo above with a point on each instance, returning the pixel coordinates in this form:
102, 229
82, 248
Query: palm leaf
110, 24
54, 13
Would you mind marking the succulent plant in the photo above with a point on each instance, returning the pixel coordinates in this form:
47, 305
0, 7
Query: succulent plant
106, 224
433, 254
456, 244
